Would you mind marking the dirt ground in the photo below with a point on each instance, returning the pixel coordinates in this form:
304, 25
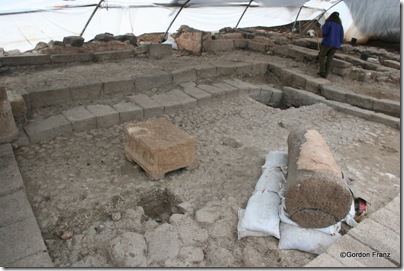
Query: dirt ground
79, 183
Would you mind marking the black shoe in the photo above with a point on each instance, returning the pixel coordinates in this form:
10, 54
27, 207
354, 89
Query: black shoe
321, 74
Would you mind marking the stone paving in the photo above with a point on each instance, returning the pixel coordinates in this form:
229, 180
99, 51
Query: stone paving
21, 243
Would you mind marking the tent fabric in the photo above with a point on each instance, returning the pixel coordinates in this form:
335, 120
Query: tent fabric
25, 23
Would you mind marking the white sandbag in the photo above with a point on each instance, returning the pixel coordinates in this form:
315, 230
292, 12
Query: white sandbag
243, 232
273, 172
350, 217
261, 213
170, 40
284, 218
308, 240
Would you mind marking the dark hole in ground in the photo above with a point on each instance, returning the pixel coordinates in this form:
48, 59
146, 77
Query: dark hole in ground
160, 204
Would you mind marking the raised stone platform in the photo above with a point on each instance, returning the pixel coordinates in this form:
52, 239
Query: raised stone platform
159, 147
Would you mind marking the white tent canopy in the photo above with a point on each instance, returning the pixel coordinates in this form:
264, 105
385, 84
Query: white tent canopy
24, 23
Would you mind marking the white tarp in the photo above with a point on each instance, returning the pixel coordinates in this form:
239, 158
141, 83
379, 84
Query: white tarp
45, 20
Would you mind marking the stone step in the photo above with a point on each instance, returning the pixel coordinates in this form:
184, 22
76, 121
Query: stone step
141, 107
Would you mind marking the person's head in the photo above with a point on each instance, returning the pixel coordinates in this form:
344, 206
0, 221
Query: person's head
334, 17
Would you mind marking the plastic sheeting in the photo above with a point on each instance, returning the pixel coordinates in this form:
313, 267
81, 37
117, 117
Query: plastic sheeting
25, 23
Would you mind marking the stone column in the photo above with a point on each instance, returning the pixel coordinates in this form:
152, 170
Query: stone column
316, 195
8, 129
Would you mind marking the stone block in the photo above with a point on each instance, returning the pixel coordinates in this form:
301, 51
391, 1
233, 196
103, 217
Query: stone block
86, 90
259, 68
27, 99
243, 68
276, 69
324, 260
20, 240
334, 93
151, 108
18, 106
227, 88
191, 42
128, 111
201, 96
57, 95
225, 69
338, 63
185, 100
48, 129
215, 46
314, 84
351, 110
394, 205
153, 81
214, 91
171, 105
68, 58
257, 46
184, 75
297, 97
385, 119
388, 219
356, 254
244, 87
23, 139
14, 207
188, 84
8, 128
379, 238
159, 51
159, 147
121, 86
299, 80
39, 259
241, 44
24, 60
10, 176
206, 71
358, 100
286, 76
391, 64
105, 115
110, 55
388, 107
340, 71
80, 119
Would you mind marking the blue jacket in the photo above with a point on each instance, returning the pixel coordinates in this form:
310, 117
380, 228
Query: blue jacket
333, 34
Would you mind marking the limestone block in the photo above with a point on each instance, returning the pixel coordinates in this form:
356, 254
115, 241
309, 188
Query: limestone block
74, 57
128, 111
159, 51
109, 55
184, 75
18, 106
85, 90
334, 93
10, 176
159, 147
151, 108
170, 103
80, 118
391, 63
39, 259
257, 46
389, 107
48, 129
241, 43
201, 96
316, 195
153, 81
106, 116
361, 101
219, 46
185, 100
298, 97
191, 42
14, 207
206, 71
53, 95
128, 250
227, 88
214, 91
8, 129
112, 86
25, 60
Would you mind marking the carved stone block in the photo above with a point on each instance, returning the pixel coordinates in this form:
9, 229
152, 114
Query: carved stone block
159, 147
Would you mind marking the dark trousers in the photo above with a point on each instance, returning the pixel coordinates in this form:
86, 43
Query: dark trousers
325, 58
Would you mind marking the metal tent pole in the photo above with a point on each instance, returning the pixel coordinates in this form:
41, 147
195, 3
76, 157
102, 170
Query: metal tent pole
165, 34
81, 34
297, 16
243, 13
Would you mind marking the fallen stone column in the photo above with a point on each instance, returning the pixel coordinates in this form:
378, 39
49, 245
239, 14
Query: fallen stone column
316, 195
8, 129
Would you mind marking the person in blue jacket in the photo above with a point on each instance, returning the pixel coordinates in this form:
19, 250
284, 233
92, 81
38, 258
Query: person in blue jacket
333, 36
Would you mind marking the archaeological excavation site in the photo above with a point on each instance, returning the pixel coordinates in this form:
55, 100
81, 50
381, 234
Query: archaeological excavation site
200, 149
